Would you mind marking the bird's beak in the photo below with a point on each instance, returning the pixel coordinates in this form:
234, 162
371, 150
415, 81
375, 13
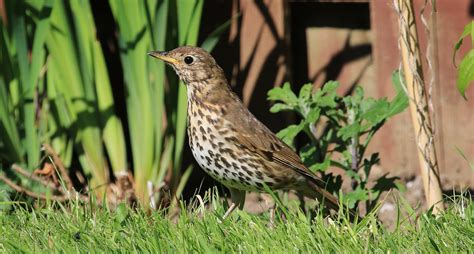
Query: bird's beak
162, 55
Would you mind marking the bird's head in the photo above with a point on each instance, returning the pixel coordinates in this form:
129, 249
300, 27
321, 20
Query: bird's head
192, 64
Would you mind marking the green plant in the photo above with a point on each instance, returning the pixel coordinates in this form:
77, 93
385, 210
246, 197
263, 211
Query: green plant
80, 94
466, 68
156, 101
465, 73
339, 130
62, 95
21, 84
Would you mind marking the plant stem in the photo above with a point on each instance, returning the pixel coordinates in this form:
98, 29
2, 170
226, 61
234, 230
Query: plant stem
414, 82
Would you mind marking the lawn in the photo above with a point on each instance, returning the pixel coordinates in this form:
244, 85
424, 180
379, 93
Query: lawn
85, 228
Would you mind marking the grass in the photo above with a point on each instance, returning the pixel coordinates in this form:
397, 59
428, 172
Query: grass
83, 228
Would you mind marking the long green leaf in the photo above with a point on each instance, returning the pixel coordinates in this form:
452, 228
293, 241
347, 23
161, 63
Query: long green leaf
465, 73
19, 36
71, 52
9, 136
113, 134
189, 18
134, 42
157, 78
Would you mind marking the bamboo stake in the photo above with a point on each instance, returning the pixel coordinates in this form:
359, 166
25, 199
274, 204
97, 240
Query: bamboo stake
421, 120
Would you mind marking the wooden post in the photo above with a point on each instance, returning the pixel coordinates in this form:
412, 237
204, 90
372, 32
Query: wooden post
421, 120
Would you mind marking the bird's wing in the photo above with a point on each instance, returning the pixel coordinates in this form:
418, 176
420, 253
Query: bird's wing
256, 137
262, 141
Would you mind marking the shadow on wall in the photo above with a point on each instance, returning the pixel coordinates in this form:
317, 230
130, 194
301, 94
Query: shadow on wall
346, 16
471, 9
344, 56
230, 48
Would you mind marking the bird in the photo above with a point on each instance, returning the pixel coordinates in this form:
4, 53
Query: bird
229, 143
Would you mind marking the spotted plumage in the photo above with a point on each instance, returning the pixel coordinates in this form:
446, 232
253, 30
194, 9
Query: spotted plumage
228, 142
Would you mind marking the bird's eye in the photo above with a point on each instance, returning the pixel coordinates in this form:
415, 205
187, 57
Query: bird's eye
189, 60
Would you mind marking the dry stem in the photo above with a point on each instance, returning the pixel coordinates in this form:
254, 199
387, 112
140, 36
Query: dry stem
414, 82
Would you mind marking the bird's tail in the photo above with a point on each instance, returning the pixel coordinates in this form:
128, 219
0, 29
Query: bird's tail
329, 200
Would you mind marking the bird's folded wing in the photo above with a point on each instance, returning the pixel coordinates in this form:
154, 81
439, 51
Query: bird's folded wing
271, 148
257, 138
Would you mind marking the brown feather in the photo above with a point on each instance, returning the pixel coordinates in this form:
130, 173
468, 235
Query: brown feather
256, 137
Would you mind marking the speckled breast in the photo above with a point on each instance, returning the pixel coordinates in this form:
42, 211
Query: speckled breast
215, 150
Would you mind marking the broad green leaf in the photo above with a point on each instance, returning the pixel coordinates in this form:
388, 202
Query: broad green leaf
349, 131
326, 97
377, 111
277, 107
289, 133
466, 68
468, 30
355, 196
330, 86
358, 95
308, 154
305, 92
400, 102
313, 115
353, 175
284, 94
465, 73
374, 111
321, 167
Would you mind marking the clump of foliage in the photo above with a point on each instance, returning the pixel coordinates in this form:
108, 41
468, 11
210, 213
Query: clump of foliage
56, 92
339, 130
466, 68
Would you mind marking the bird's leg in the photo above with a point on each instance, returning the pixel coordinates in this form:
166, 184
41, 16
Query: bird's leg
301, 199
272, 211
238, 199
271, 208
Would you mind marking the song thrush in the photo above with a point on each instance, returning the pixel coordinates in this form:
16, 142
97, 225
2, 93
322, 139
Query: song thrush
228, 142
